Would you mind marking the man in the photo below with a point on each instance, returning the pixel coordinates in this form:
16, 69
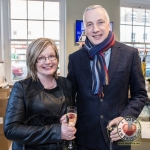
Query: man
101, 74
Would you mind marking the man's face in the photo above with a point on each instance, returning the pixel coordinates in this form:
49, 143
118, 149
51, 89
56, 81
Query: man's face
97, 26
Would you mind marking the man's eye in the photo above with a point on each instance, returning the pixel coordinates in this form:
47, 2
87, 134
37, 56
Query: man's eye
89, 25
100, 22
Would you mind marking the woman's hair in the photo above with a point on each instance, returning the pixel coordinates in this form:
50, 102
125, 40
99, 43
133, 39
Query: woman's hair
94, 7
33, 51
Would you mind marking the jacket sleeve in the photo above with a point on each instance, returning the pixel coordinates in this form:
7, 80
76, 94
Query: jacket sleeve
16, 130
71, 77
137, 88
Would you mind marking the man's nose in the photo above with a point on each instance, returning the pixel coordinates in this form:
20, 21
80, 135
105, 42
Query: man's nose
95, 28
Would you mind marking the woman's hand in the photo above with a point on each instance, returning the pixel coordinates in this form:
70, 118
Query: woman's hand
63, 119
67, 132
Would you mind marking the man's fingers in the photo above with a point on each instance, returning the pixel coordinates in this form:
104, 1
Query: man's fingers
115, 138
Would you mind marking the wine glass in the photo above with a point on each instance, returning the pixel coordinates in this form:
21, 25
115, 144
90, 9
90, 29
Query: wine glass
72, 118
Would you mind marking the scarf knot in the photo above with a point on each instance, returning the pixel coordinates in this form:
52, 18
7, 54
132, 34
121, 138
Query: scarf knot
98, 65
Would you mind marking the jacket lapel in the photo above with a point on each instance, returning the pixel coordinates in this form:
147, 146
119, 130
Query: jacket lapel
86, 64
114, 60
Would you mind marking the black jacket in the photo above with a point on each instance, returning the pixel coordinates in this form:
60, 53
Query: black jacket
27, 99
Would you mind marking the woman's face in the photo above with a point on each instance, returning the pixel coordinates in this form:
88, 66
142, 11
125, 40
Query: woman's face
47, 63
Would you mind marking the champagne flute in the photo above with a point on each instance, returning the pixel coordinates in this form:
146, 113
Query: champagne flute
72, 118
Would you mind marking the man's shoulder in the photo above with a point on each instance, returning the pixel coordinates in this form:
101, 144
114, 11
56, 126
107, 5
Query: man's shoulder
123, 45
78, 52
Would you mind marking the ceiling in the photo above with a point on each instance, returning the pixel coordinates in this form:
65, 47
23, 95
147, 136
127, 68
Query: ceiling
136, 3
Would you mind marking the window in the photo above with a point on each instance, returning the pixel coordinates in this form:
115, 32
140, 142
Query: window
26, 23
145, 17
133, 37
145, 36
133, 16
136, 32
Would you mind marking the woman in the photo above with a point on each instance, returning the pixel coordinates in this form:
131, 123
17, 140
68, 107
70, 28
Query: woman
36, 104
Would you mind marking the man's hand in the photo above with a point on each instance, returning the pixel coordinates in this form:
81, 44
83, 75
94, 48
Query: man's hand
114, 134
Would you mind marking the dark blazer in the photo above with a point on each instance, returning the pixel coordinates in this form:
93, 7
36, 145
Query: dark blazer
94, 112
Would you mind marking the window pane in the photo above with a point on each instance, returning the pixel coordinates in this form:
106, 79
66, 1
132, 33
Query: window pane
18, 29
134, 16
51, 10
148, 61
51, 29
148, 47
18, 59
147, 32
125, 33
140, 13
35, 29
139, 32
141, 49
148, 17
126, 15
31, 19
35, 10
18, 9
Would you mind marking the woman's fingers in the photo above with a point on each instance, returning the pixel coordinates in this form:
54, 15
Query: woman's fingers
67, 132
63, 119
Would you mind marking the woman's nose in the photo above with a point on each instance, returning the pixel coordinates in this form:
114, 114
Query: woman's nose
47, 60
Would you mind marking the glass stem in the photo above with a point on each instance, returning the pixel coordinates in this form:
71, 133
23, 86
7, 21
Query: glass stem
70, 145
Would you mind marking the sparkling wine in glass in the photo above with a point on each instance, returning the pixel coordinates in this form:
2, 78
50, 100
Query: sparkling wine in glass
72, 118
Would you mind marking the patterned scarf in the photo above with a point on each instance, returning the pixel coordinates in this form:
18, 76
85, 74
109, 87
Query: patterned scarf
98, 66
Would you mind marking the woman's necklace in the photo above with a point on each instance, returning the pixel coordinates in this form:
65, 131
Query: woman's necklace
53, 85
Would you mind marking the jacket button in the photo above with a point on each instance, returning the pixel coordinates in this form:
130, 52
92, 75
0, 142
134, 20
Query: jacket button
101, 116
101, 100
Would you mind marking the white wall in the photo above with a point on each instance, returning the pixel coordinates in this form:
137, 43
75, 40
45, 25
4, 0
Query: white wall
2, 66
2, 73
74, 11
0, 31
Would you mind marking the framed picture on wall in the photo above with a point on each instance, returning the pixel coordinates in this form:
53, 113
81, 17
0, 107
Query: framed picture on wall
79, 29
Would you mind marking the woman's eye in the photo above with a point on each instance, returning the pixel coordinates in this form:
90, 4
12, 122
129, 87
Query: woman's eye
41, 58
52, 56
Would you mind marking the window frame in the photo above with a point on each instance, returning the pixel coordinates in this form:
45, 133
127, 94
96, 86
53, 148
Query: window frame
142, 46
5, 38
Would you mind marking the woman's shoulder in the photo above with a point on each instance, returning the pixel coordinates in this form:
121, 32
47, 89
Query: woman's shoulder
28, 86
23, 82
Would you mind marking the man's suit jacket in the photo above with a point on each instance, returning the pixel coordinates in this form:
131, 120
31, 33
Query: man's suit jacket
95, 112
